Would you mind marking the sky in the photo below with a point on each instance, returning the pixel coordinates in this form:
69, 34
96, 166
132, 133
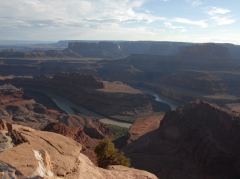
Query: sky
159, 20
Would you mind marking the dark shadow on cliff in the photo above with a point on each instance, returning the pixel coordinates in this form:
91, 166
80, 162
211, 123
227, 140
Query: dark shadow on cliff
198, 141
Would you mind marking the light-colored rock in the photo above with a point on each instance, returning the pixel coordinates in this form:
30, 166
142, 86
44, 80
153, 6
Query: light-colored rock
44, 168
50, 155
5, 141
86, 169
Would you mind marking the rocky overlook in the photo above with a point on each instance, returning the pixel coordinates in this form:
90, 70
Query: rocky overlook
199, 140
89, 141
50, 155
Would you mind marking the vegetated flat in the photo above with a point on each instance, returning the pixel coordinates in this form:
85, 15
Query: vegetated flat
115, 123
119, 87
117, 131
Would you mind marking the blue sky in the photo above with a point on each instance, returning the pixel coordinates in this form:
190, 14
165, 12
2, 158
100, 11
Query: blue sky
163, 20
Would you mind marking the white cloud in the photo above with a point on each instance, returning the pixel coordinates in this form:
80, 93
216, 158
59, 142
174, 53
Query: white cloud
199, 23
174, 27
217, 10
102, 19
76, 18
223, 20
221, 16
74, 12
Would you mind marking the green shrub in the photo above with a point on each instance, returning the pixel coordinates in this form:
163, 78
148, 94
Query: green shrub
117, 131
107, 155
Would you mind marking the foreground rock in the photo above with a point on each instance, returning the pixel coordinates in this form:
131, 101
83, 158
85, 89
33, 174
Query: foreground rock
197, 141
50, 155
78, 134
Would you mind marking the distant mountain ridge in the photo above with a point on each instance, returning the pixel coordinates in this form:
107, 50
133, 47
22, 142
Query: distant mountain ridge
113, 49
206, 51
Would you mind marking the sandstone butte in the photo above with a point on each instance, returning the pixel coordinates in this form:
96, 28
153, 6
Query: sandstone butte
40, 154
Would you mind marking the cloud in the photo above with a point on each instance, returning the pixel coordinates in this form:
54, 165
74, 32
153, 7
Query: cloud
171, 26
222, 20
195, 3
74, 11
199, 23
65, 19
221, 16
217, 10
106, 19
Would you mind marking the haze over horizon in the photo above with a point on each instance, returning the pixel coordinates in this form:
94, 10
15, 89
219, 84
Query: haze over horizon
158, 20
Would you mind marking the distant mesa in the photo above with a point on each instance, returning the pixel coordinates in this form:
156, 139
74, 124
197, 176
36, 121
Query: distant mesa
205, 51
112, 49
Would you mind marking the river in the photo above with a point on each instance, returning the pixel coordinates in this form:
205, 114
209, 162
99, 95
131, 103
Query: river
160, 99
173, 105
71, 108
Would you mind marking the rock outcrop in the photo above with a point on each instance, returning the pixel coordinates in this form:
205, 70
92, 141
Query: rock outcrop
198, 141
15, 109
77, 134
144, 125
50, 155
9, 137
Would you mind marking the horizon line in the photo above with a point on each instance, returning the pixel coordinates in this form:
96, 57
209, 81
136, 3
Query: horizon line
101, 40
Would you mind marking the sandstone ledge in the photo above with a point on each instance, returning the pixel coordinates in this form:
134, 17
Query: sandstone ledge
50, 155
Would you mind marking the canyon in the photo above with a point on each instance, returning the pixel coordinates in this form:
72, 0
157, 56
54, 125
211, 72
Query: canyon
172, 108
91, 94
179, 71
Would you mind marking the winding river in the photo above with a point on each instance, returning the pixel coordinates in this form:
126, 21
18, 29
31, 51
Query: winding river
68, 107
173, 105
71, 108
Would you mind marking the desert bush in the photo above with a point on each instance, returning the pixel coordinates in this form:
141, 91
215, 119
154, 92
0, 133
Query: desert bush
107, 155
